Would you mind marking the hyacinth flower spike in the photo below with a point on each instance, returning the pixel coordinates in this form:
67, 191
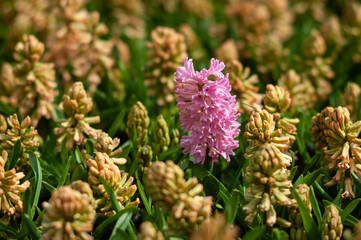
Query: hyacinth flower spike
207, 110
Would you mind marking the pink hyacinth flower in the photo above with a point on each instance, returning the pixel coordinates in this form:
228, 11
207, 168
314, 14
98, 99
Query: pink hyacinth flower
207, 111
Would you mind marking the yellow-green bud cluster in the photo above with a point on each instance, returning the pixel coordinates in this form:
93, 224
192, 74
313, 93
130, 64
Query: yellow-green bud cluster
166, 52
148, 232
169, 191
102, 166
32, 81
350, 98
76, 104
277, 101
302, 92
70, 213
215, 228
138, 117
334, 131
315, 67
106, 144
297, 231
244, 86
10, 188
28, 137
267, 172
332, 226
161, 135
144, 157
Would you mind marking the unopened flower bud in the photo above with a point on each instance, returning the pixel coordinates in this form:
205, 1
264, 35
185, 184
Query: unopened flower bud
138, 117
161, 135
332, 226
148, 232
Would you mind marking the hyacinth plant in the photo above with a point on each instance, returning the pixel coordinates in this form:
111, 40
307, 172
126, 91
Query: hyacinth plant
107, 131
207, 110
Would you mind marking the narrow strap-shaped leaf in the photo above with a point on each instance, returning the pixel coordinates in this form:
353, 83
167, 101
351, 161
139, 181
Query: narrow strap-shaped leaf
111, 195
147, 204
349, 208
34, 198
122, 224
65, 172
315, 206
255, 233
31, 227
308, 223
14, 156
311, 177
232, 206
107, 225
7, 229
64, 151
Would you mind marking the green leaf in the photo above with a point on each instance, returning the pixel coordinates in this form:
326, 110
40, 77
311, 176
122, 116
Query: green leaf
64, 151
210, 186
171, 153
255, 233
111, 194
107, 225
293, 172
308, 222
146, 202
311, 177
279, 234
321, 191
358, 110
121, 224
14, 156
31, 227
78, 157
34, 198
115, 125
65, 172
232, 206
89, 147
7, 229
315, 206
356, 180
350, 207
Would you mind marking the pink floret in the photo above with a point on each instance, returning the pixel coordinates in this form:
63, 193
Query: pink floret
207, 111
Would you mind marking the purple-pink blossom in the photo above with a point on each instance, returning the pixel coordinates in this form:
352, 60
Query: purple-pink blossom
207, 111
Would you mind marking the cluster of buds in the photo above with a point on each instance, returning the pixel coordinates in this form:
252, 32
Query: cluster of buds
227, 52
267, 172
351, 26
74, 39
270, 185
315, 8
332, 32
175, 137
7, 82
350, 98
148, 232
138, 117
243, 86
70, 213
336, 134
169, 191
23, 17
166, 52
106, 144
32, 82
10, 188
76, 104
314, 66
199, 8
128, 19
28, 137
193, 43
277, 101
144, 157
263, 26
215, 228
332, 227
297, 231
301, 91
161, 136
102, 166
